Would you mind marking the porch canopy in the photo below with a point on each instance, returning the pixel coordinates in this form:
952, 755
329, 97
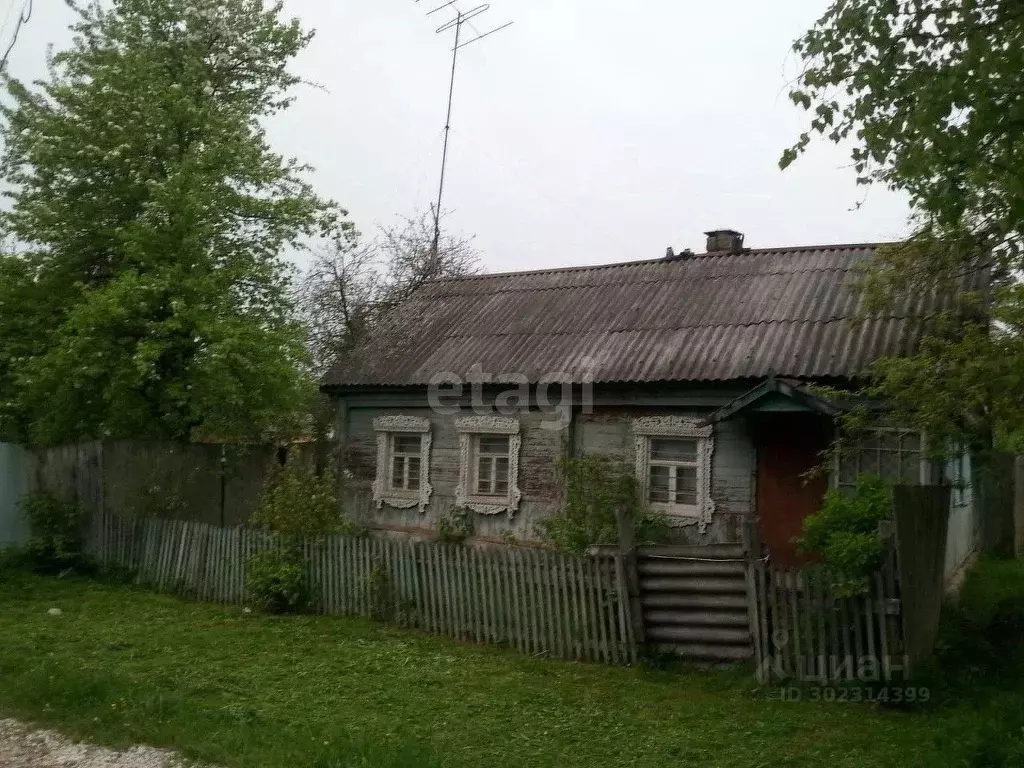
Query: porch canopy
778, 394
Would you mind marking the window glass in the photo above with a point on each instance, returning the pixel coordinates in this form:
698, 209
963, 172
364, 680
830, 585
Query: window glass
406, 444
492, 465
489, 445
686, 485
660, 480
894, 455
397, 472
673, 450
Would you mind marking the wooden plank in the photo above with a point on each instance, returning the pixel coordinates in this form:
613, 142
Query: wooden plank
588, 636
856, 616
431, 555
844, 618
547, 625
529, 593
598, 603
793, 585
869, 631
580, 635
778, 628
458, 565
517, 617
498, 596
558, 648
606, 568
809, 669
753, 609
534, 615
446, 592
883, 633
422, 563
476, 613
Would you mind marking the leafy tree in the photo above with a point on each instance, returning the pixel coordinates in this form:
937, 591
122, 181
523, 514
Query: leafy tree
928, 95
350, 285
151, 298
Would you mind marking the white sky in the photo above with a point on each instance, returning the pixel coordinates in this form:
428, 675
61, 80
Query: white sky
590, 131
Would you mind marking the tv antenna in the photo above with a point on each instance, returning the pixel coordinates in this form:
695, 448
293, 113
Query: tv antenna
455, 24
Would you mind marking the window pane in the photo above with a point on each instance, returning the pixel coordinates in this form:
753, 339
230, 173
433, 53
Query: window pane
888, 440
659, 484
911, 441
867, 462
910, 471
847, 468
501, 470
686, 485
673, 450
483, 475
398, 472
414, 473
890, 465
406, 444
493, 445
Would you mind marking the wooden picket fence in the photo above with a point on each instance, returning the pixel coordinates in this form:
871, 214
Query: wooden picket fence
540, 602
803, 630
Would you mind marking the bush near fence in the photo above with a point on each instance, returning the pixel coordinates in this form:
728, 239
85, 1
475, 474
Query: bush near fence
540, 602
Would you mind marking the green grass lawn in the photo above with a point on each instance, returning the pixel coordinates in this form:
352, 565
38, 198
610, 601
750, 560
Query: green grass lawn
121, 666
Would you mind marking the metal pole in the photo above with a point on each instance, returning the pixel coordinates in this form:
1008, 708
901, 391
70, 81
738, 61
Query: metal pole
447, 130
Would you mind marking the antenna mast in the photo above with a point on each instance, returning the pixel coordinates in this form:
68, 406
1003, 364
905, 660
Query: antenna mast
461, 17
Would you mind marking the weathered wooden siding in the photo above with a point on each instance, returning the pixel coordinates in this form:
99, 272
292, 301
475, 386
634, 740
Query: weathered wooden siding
608, 431
541, 447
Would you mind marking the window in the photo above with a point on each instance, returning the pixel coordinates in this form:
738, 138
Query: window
957, 472
673, 472
673, 465
406, 454
893, 454
491, 453
403, 462
489, 464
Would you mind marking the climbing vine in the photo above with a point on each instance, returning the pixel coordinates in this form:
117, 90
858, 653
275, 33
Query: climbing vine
596, 488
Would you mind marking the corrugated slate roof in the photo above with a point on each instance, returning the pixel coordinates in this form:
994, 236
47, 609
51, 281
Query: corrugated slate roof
694, 318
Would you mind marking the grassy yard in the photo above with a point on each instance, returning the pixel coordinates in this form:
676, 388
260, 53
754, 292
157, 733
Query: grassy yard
120, 666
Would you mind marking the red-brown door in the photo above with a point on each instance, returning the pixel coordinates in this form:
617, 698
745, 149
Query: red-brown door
789, 445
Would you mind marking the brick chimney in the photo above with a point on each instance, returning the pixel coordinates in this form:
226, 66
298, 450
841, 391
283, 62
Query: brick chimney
722, 241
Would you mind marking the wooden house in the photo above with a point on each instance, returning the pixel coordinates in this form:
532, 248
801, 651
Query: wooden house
691, 369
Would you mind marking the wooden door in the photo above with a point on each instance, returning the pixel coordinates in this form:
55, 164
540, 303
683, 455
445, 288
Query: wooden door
789, 445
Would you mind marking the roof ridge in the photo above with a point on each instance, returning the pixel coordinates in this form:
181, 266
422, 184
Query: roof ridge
662, 259
850, 319
688, 279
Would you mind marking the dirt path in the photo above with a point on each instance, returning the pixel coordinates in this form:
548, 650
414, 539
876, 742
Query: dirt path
24, 747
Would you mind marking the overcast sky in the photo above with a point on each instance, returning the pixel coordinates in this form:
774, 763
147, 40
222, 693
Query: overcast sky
590, 131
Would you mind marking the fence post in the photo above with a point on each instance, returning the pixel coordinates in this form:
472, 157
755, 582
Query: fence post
630, 576
755, 598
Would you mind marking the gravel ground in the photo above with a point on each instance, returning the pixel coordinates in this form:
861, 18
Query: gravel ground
25, 747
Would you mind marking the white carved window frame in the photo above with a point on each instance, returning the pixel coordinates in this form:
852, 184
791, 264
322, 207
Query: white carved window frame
650, 427
470, 427
383, 493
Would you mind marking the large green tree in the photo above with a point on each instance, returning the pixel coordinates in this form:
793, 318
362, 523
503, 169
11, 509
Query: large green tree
149, 296
929, 96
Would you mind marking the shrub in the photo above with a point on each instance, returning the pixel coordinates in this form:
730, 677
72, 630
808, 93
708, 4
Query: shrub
596, 487
299, 503
844, 533
55, 540
457, 526
276, 580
